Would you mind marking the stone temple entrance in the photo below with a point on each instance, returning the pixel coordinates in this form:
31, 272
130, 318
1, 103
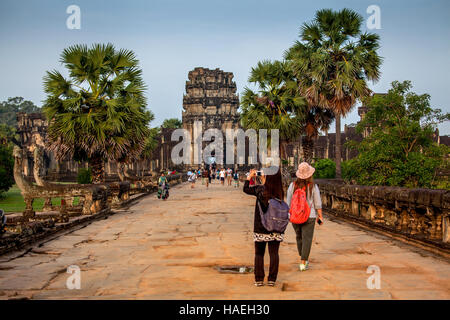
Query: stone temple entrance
212, 100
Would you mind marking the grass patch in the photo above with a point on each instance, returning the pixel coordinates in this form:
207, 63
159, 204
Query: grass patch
12, 201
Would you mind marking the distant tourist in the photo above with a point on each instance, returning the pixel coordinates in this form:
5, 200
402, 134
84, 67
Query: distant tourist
303, 197
210, 175
236, 179
163, 187
205, 177
229, 176
222, 176
265, 188
192, 179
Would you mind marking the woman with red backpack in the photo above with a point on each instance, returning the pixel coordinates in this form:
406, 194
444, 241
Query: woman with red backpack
265, 188
303, 198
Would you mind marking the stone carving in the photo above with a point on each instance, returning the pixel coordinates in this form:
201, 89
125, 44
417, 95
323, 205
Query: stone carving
138, 184
95, 196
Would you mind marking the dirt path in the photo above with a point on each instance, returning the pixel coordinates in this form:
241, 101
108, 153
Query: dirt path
169, 250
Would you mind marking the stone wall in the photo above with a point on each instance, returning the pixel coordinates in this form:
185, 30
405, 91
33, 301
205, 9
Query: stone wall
418, 214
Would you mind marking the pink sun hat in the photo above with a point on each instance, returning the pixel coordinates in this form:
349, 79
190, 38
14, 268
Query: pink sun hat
304, 171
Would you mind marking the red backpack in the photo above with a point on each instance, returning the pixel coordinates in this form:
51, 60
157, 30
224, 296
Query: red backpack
300, 209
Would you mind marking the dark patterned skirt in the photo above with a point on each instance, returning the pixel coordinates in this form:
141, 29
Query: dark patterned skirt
265, 237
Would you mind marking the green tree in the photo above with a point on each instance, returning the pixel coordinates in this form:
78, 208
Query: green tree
400, 149
8, 135
84, 176
317, 119
276, 105
6, 168
332, 63
172, 123
10, 107
99, 112
151, 143
325, 169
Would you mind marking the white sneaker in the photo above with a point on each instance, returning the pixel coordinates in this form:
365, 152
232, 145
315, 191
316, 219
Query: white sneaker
304, 267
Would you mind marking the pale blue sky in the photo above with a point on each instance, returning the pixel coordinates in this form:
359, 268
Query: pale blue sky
171, 38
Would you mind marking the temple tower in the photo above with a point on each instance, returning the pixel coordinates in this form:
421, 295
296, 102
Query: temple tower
210, 98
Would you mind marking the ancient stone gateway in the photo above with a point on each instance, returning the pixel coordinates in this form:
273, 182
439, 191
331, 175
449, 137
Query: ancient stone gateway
210, 98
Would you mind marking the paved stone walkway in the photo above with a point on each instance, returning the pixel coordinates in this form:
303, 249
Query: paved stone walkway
169, 250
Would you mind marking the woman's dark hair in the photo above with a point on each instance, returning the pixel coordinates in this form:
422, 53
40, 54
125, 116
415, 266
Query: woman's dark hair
273, 187
300, 183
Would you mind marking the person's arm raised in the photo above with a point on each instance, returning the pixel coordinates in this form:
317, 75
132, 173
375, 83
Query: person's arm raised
247, 188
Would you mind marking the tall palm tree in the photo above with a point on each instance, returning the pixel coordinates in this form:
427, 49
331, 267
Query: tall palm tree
99, 112
333, 62
276, 105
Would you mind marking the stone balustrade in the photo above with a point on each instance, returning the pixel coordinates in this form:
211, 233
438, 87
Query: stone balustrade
419, 214
94, 202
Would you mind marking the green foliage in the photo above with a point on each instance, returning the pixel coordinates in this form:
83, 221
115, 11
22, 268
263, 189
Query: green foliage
10, 107
99, 112
349, 170
84, 176
172, 123
325, 169
334, 59
6, 168
151, 143
333, 62
8, 135
276, 105
400, 150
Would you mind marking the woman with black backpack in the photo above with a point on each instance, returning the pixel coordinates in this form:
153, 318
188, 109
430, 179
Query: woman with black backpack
265, 188
303, 197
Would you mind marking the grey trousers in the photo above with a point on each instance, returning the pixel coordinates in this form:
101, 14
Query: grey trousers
304, 233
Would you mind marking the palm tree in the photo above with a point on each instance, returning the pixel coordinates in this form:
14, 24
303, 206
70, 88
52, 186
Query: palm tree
276, 105
333, 62
317, 119
99, 112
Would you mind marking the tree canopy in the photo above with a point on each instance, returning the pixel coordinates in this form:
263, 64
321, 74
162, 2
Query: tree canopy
276, 105
400, 149
333, 61
6, 167
172, 123
99, 112
10, 108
